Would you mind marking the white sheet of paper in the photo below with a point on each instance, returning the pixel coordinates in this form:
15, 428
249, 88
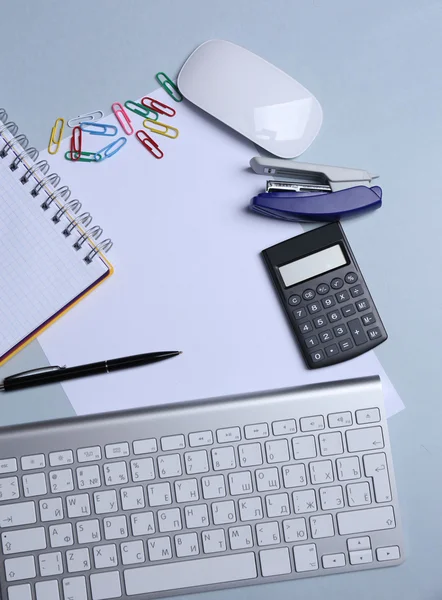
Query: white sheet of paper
188, 275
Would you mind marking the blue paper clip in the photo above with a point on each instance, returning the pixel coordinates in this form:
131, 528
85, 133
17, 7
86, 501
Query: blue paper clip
104, 152
98, 128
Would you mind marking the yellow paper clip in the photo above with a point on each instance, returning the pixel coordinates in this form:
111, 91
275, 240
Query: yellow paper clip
56, 135
152, 126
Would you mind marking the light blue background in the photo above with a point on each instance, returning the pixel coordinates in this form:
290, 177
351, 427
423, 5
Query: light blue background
376, 69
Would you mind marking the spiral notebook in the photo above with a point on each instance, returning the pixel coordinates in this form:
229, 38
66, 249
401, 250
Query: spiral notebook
51, 255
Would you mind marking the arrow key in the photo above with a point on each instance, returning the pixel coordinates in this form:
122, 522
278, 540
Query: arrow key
359, 543
332, 561
365, 438
360, 557
388, 553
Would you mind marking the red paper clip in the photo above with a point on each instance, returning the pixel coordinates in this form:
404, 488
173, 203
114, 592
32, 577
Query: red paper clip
76, 143
158, 106
149, 144
123, 118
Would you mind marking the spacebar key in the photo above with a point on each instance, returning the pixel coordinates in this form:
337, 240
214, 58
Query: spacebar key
191, 573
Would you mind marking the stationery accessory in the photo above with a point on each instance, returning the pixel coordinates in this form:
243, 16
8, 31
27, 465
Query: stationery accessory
49, 260
252, 96
159, 107
325, 296
99, 128
169, 86
83, 156
47, 375
123, 118
110, 149
150, 144
56, 136
142, 111
200, 496
161, 128
95, 115
76, 143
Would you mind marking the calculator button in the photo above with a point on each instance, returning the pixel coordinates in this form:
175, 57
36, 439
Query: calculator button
299, 313
342, 296
340, 330
337, 283
314, 307
322, 289
328, 302
326, 336
357, 332
294, 300
317, 356
331, 350
349, 310
356, 291
368, 319
351, 277
311, 341
374, 333
346, 344
305, 327
333, 316
362, 305
319, 322
308, 294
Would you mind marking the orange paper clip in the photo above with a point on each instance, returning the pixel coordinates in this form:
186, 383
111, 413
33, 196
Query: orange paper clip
123, 118
76, 143
158, 106
56, 135
149, 144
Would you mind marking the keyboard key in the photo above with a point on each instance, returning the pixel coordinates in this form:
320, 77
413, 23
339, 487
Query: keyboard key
342, 296
230, 434
284, 427
115, 473
361, 557
105, 586
322, 526
333, 316
17, 569
159, 549
115, 528
331, 350
305, 556
358, 334
294, 530
61, 535
201, 438
145, 446
368, 415
78, 560
223, 512
223, 458
375, 465
348, 468
61, 481
196, 516
314, 307
312, 423
9, 488
89, 454
388, 553
340, 419
267, 479
142, 469
277, 505
186, 490
196, 462
304, 501
294, 300
365, 438
322, 288
368, 319
331, 497
368, 519
294, 476
321, 471
326, 336
358, 494
340, 330
169, 465
22, 592
356, 291
319, 322
332, 561
178, 575
78, 505
328, 302
240, 483
304, 447
88, 531
259, 430
142, 523
169, 520
213, 487
308, 294
250, 455
275, 562
173, 442
359, 543
20, 513
61, 458
348, 310
159, 494
299, 313
8, 465
240, 537
362, 305
186, 544
346, 345
132, 498
133, 553
267, 534
250, 509
311, 341
374, 333
105, 502
330, 443
34, 485
88, 477
50, 564
117, 450
75, 587
277, 451
105, 556
214, 540
305, 327
47, 590
23, 540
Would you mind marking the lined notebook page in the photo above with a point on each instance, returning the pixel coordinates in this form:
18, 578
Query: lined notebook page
40, 272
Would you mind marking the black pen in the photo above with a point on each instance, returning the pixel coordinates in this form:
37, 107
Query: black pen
56, 374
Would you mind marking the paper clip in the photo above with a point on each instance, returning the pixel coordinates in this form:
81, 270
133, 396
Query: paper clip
95, 115
151, 126
76, 142
141, 110
149, 144
158, 106
169, 86
57, 130
82, 156
123, 118
104, 152
99, 128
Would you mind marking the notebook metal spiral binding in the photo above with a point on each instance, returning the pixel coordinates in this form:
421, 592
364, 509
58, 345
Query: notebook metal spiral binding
60, 195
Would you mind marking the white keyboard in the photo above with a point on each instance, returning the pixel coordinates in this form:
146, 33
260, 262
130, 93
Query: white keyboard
197, 496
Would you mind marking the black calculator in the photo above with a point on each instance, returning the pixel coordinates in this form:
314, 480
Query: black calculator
325, 296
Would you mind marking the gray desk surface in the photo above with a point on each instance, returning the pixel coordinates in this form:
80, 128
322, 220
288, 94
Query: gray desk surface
375, 67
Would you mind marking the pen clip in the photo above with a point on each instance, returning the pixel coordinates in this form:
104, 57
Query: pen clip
33, 372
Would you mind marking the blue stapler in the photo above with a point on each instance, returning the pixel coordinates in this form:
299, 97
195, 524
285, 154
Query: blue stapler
315, 192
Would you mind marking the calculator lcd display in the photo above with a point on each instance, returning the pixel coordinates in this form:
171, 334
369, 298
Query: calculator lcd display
313, 265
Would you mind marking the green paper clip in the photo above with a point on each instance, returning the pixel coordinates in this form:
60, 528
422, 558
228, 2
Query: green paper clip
141, 110
84, 156
169, 86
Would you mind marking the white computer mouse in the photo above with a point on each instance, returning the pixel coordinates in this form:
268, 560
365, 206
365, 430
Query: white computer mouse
252, 96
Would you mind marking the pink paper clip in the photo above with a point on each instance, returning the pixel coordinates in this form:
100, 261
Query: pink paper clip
123, 118
149, 144
76, 143
158, 106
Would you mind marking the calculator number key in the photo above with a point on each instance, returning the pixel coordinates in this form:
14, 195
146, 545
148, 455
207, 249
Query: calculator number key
340, 330
308, 294
337, 283
368, 319
349, 310
356, 291
326, 336
342, 296
299, 313
351, 277
328, 302
317, 356
294, 300
314, 308
320, 322
306, 327
333, 316
358, 334
362, 304
311, 341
